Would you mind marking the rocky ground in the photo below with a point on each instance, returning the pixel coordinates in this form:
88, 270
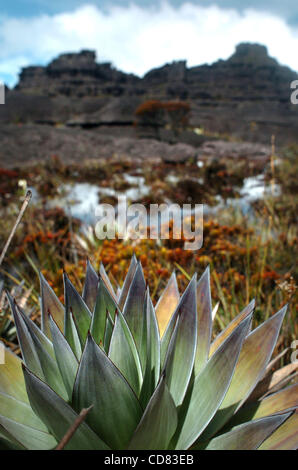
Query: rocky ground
27, 144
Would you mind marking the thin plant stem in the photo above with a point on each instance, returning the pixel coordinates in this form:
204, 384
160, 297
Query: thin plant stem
19, 218
68, 435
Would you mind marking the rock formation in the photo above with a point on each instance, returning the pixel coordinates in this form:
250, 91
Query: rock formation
246, 97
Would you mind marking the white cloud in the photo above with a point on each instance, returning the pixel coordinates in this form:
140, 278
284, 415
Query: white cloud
137, 39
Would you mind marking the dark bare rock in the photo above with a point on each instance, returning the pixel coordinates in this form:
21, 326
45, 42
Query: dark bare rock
30, 143
246, 97
221, 149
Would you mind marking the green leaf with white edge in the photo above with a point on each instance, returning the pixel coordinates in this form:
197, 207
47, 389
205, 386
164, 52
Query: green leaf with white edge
108, 332
50, 303
58, 416
99, 316
158, 422
28, 349
204, 313
285, 437
116, 411
7, 441
34, 330
20, 412
182, 349
248, 436
104, 302
234, 323
38, 347
90, 286
80, 311
26, 436
111, 304
127, 281
107, 282
11, 377
66, 360
123, 353
278, 402
133, 312
50, 369
152, 369
165, 339
255, 355
71, 334
167, 304
208, 389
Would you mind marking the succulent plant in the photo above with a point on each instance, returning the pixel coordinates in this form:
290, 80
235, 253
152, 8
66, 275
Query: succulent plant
148, 378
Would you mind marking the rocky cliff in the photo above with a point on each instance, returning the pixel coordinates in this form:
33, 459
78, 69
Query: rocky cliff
246, 96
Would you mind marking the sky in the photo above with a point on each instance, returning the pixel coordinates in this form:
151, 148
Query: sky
138, 35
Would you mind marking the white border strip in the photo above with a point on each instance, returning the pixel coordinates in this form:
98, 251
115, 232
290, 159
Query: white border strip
2, 93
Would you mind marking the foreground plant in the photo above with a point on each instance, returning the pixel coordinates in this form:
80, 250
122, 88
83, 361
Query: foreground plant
150, 377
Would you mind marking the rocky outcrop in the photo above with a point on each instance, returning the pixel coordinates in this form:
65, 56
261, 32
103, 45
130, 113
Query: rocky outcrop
246, 96
76, 75
221, 149
28, 143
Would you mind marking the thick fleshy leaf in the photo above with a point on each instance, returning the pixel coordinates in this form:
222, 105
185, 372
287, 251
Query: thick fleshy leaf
167, 304
158, 422
19, 412
123, 353
247, 436
116, 411
66, 360
255, 355
279, 402
50, 369
80, 311
133, 312
71, 334
36, 334
58, 416
285, 437
182, 349
228, 330
107, 282
108, 333
8, 442
99, 316
90, 286
33, 329
104, 302
27, 436
165, 340
28, 349
11, 377
152, 369
50, 303
204, 312
127, 282
35, 346
273, 382
209, 388
14, 405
